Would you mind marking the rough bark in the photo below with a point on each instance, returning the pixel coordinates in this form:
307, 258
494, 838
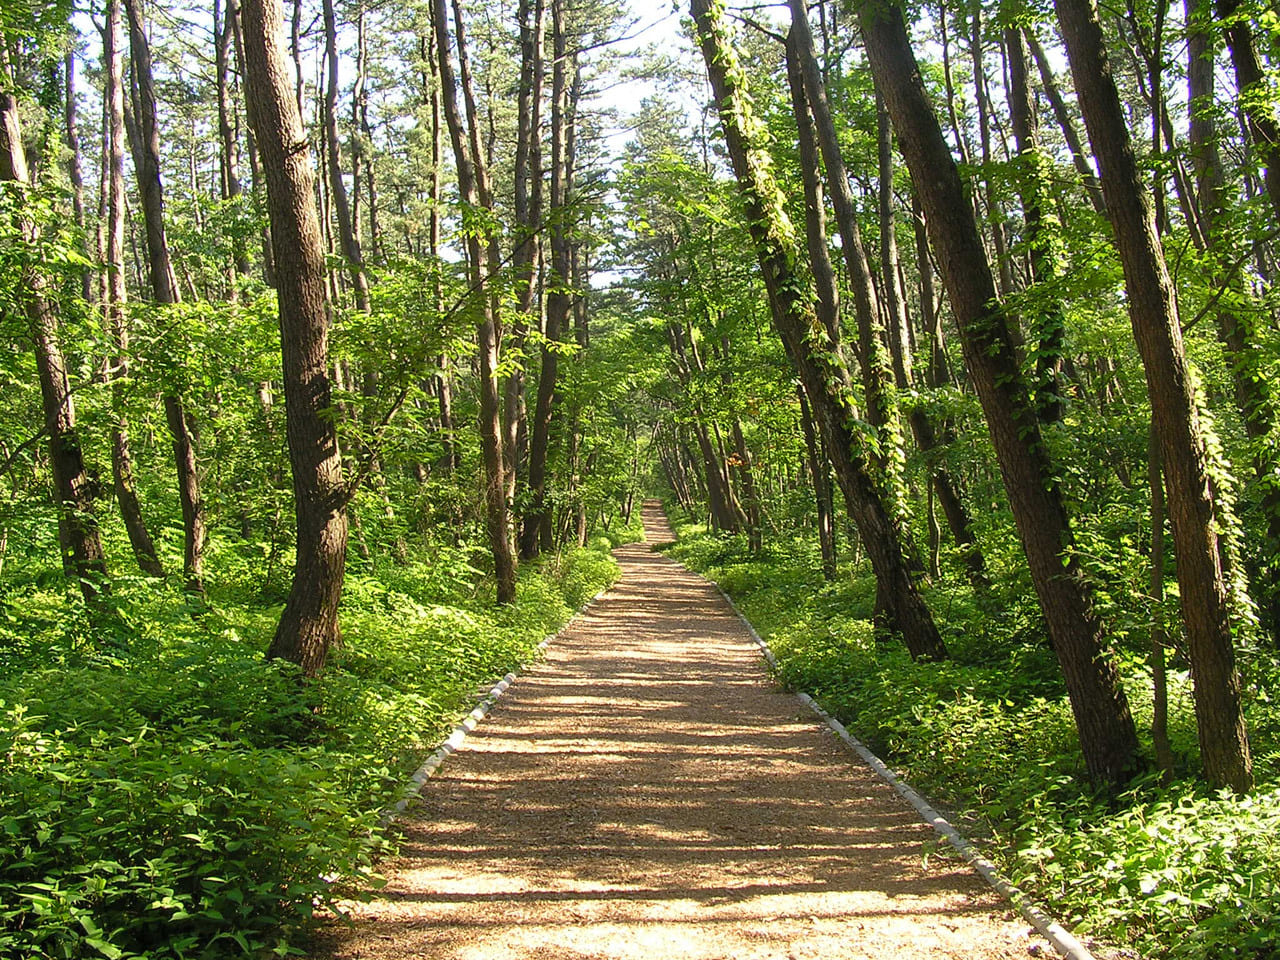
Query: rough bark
1107, 735
165, 290
1194, 511
823, 375
309, 624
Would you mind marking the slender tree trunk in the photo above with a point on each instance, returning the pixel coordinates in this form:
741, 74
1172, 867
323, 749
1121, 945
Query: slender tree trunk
819, 471
309, 625
877, 373
1237, 327
1195, 508
73, 489
1259, 114
165, 290
1159, 638
1107, 735
825, 379
114, 311
1048, 325
559, 294
350, 243
528, 212
1060, 112
473, 183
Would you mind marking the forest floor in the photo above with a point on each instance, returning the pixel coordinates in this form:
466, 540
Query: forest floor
647, 792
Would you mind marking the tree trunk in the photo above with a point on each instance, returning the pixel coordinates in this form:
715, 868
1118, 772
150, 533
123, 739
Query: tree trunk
1078, 157
819, 471
309, 625
350, 243
1107, 735
559, 294
1159, 638
1255, 104
115, 316
1237, 328
823, 375
528, 212
877, 373
73, 489
473, 184
1194, 511
165, 290
1048, 328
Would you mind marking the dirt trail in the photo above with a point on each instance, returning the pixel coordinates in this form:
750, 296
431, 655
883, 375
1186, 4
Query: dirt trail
646, 792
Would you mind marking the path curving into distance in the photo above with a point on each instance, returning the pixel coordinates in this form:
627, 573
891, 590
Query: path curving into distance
646, 792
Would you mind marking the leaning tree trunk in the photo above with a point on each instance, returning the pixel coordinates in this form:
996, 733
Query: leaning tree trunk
823, 375
73, 489
309, 625
164, 287
1195, 513
1107, 735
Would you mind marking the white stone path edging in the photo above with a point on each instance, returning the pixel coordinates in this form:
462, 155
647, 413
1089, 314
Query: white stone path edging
470, 722
1061, 939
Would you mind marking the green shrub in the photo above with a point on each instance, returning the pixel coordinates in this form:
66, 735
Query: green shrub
1168, 869
171, 794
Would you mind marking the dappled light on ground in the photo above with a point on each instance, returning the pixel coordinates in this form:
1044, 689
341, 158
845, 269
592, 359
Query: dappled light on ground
647, 793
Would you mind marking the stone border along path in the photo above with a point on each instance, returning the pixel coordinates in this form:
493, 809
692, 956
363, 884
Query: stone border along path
646, 792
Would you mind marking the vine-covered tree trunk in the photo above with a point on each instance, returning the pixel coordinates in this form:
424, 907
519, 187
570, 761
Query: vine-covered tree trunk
481, 255
114, 311
1048, 327
823, 375
1194, 504
1107, 735
1236, 317
164, 286
309, 624
72, 487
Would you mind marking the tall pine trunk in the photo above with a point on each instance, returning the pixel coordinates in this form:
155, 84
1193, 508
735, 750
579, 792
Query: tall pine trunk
309, 624
1107, 735
1194, 505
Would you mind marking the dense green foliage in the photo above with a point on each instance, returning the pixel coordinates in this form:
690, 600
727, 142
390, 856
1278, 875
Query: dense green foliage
167, 792
1169, 869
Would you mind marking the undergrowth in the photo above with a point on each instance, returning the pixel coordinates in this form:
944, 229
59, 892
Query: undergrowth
1169, 870
166, 792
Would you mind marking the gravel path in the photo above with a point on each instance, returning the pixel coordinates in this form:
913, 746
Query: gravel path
646, 792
